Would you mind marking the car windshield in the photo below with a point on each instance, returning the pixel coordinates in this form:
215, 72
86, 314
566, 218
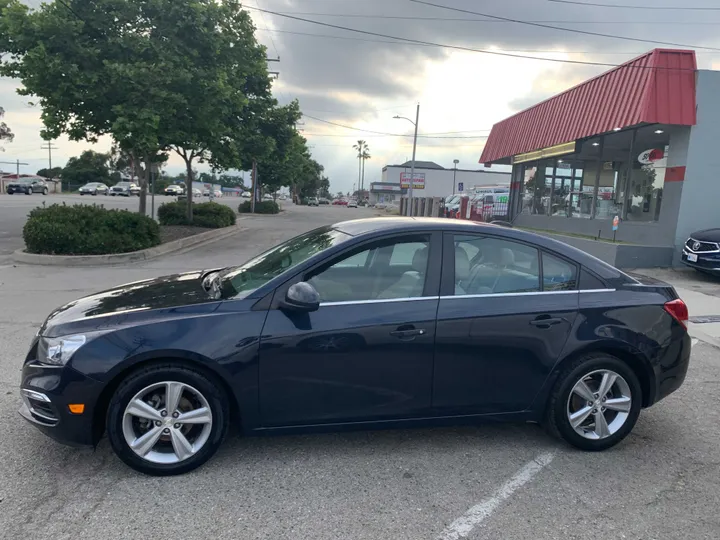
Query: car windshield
240, 281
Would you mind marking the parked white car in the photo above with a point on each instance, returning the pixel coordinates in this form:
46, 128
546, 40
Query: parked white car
245, 194
352, 203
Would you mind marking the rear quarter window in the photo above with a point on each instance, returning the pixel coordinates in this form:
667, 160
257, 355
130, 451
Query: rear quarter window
589, 281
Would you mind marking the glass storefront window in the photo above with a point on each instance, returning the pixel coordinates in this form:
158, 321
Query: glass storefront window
644, 197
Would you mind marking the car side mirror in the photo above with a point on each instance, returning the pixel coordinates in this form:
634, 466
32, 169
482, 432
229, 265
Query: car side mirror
301, 297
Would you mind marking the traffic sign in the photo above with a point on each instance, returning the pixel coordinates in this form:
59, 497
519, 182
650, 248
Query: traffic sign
460, 186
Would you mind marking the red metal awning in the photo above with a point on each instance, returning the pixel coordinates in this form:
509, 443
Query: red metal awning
656, 88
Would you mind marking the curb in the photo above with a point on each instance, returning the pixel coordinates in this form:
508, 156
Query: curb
20, 256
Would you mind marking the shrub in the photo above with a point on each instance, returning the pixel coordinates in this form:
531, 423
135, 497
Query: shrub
211, 215
262, 207
87, 230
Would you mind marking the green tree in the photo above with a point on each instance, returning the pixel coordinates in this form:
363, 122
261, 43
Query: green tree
88, 167
50, 173
5, 133
186, 76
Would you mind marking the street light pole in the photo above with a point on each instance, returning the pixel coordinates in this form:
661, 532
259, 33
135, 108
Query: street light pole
455, 162
412, 167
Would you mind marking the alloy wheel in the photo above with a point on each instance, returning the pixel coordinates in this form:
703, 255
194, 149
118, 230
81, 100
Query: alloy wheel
167, 422
599, 404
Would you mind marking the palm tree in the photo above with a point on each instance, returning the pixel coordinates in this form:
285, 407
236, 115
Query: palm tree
365, 155
361, 146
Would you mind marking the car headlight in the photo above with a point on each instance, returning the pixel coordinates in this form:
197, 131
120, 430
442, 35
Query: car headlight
57, 351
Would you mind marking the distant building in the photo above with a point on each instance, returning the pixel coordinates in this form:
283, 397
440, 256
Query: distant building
431, 180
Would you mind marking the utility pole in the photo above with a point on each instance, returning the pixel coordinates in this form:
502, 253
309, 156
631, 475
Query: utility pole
17, 164
412, 167
275, 74
49, 147
455, 162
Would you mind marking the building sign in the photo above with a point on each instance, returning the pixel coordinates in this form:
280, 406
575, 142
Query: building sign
418, 181
651, 156
551, 151
376, 186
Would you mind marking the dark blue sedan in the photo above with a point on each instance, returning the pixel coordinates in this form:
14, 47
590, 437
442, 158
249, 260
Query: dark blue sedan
367, 323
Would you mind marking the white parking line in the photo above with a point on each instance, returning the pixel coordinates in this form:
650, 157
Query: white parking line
464, 525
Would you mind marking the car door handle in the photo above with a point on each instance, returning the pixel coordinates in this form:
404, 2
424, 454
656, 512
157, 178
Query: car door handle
545, 321
410, 333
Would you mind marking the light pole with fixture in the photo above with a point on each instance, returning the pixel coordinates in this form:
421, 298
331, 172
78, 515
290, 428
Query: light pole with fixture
412, 168
455, 162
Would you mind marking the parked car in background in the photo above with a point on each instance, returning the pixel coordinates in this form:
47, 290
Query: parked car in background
312, 201
174, 189
245, 194
702, 251
352, 203
196, 192
217, 193
268, 197
323, 201
381, 205
28, 186
125, 189
94, 188
341, 202
503, 325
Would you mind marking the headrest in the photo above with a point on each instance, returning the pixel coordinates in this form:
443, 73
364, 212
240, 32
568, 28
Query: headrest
507, 257
420, 260
462, 264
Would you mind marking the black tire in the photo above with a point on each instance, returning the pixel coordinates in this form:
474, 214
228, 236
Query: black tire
556, 420
94, 193
45, 191
28, 191
156, 373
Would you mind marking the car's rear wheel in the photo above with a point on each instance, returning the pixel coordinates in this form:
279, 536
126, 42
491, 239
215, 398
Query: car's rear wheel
595, 403
167, 419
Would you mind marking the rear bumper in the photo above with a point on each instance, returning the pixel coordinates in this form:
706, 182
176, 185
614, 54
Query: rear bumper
46, 393
670, 372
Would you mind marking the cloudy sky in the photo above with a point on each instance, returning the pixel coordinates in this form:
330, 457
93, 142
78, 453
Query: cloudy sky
361, 81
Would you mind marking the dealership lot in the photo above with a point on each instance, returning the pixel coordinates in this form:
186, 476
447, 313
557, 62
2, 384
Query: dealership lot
489, 481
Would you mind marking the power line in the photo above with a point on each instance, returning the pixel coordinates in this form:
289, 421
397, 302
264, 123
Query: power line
466, 49
652, 8
465, 19
546, 51
425, 136
560, 28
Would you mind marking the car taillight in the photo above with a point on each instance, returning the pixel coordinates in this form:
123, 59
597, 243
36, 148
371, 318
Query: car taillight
678, 310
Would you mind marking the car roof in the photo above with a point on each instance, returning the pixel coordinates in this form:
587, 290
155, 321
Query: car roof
380, 225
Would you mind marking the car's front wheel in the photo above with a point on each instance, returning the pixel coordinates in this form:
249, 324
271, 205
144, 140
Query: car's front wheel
45, 191
595, 403
28, 191
167, 419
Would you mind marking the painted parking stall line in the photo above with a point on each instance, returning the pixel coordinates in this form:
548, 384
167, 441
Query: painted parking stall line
463, 526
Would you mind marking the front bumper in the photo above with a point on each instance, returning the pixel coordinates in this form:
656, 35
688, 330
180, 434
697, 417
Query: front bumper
47, 392
706, 262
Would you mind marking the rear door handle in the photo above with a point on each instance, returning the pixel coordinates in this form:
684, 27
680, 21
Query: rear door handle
546, 322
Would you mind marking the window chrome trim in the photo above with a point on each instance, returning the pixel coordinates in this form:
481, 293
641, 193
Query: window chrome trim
378, 301
533, 293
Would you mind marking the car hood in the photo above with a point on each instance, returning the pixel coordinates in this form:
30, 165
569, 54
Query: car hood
131, 303
707, 235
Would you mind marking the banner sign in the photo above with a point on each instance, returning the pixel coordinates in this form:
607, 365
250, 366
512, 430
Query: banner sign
418, 181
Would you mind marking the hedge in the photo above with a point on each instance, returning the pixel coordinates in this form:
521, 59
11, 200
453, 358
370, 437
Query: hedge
87, 230
211, 215
262, 207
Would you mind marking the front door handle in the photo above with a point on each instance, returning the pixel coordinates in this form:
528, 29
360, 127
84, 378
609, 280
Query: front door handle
545, 321
410, 333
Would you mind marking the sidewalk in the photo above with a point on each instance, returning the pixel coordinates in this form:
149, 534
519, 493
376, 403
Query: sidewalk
701, 293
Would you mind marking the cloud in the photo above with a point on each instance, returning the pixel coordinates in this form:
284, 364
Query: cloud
362, 81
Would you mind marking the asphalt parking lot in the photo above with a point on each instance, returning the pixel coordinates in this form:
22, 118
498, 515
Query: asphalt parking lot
488, 481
